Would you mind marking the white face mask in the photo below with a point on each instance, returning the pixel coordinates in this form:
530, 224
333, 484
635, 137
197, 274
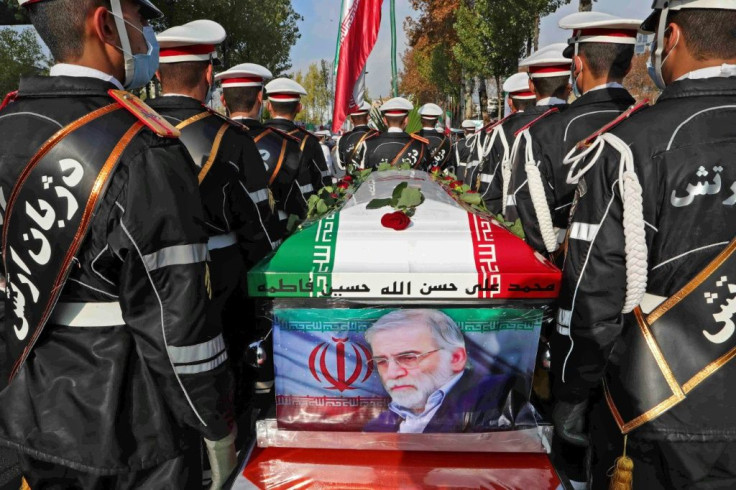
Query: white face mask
654, 67
139, 68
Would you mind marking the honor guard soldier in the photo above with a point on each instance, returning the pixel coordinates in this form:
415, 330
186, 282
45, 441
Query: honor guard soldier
283, 104
348, 156
549, 75
465, 153
115, 371
242, 95
649, 283
395, 146
601, 49
523, 96
440, 147
497, 140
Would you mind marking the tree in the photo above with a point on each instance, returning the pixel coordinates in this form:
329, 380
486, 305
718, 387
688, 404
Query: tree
11, 13
257, 32
638, 82
316, 104
585, 5
20, 55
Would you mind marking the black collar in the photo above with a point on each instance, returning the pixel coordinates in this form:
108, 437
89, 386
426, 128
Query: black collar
703, 87
62, 86
604, 95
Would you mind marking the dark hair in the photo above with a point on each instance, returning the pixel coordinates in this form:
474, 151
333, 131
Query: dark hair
551, 86
395, 120
184, 75
608, 60
360, 118
284, 108
61, 25
523, 104
241, 99
709, 33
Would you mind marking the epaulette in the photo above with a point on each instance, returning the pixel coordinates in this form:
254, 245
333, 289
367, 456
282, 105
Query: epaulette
372, 134
10, 97
150, 118
284, 134
625, 115
491, 126
419, 138
545, 114
305, 131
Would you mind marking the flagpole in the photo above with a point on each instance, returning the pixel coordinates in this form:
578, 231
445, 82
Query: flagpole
394, 76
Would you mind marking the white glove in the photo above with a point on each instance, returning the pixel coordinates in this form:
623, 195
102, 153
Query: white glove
223, 459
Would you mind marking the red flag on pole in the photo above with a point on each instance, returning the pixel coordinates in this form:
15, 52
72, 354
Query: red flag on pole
361, 20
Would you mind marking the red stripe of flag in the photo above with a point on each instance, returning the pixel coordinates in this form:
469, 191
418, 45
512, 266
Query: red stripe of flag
360, 31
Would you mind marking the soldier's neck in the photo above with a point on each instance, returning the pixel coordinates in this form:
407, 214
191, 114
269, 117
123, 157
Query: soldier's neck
195, 93
244, 115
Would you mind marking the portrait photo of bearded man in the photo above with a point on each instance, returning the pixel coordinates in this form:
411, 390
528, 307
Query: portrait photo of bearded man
421, 358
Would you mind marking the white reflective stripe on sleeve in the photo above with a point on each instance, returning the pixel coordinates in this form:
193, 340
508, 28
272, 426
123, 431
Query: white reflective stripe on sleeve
462, 164
259, 196
650, 301
511, 200
204, 351
222, 241
306, 188
176, 255
201, 367
583, 231
276, 244
563, 330
326, 173
564, 317
283, 215
107, 314
487, 178
263, 386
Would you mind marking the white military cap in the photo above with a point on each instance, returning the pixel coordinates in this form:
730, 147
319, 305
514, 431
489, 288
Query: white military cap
548, 62
194, 41
323, 132
284, 90
469, 124
430, 110
598, 27
517, 86
244, 75
650, 23
148, 9
397, 106
363, 108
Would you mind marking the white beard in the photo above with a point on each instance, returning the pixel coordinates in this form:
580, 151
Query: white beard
424, 384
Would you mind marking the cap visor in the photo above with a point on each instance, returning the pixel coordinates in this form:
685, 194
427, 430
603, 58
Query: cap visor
149, 10
569, 51
650, 23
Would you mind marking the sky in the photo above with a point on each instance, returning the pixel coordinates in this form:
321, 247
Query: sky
321, 19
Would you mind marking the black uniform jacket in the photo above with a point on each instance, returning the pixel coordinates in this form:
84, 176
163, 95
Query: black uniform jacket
347, 153
440, 147
234, 192
313, 158
116, 399
386, 147
491, 177
281, 156
685, 140
552, 138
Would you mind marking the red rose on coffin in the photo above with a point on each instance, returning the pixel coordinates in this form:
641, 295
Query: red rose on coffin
333, 195
447, 178
472, 192
456, 184
343, 185
396, 220
435, 169
347, 178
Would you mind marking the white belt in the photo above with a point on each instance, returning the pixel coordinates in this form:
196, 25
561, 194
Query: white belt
221, 241
87, 314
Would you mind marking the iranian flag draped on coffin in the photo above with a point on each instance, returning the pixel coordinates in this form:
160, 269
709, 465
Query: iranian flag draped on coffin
451, 270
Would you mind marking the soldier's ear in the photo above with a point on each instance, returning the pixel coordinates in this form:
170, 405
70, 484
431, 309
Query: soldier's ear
209, 74
103, 26
532, 88
259, 97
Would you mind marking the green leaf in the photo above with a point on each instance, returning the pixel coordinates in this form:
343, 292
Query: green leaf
410, 197
322, 208
384, 166
378, 203
405, 166
517, 229
293, 223
398, 190
471, 198
410, 212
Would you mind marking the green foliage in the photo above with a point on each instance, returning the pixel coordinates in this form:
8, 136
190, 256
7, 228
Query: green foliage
516, 228
316, 82
11, 13
403, 198
20, 55
257, 32
493, 34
